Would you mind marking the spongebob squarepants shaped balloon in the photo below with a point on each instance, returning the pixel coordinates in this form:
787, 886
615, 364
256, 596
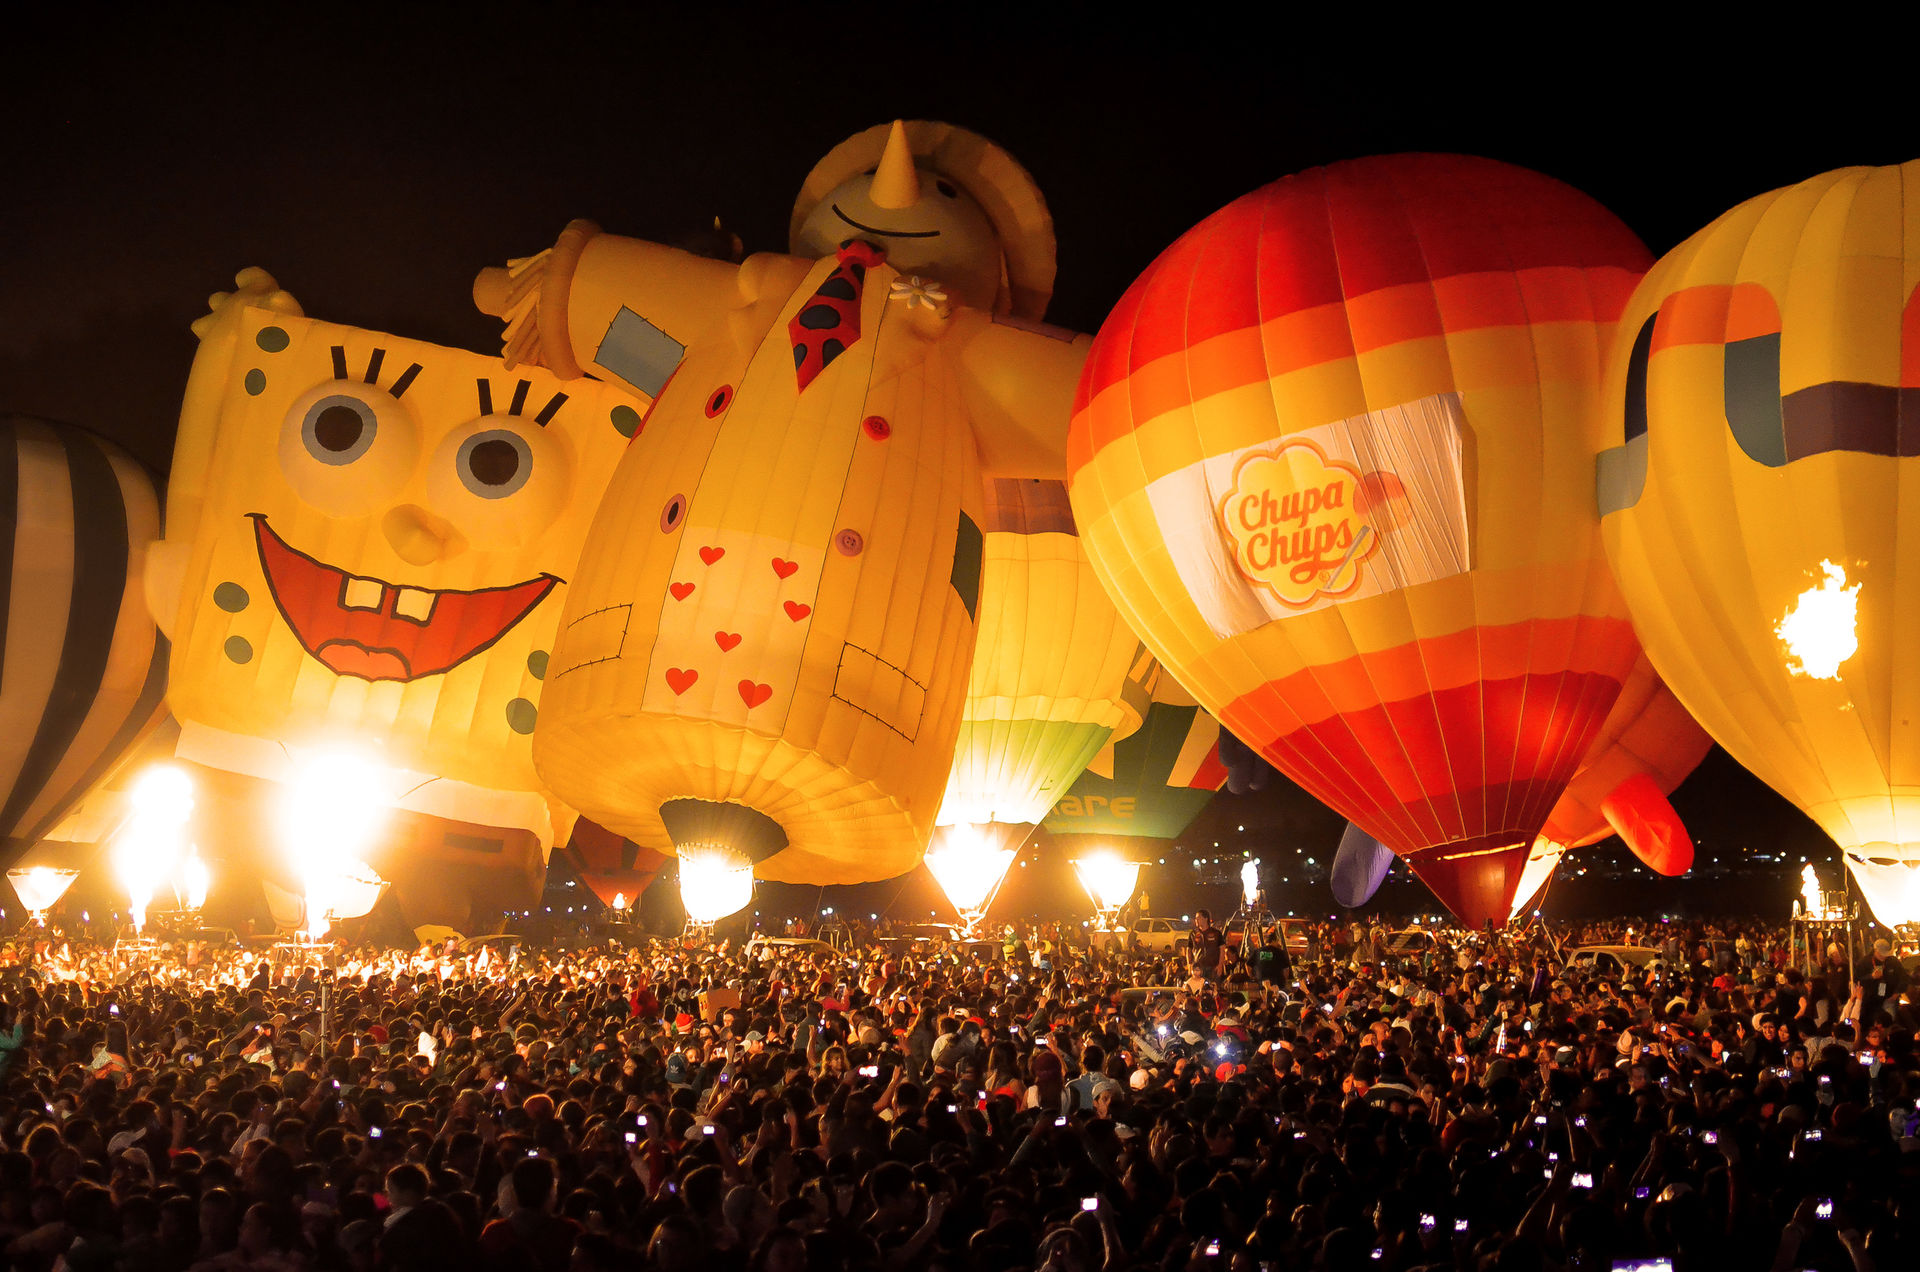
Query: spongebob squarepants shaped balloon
364, 540
767, 645
1758, 500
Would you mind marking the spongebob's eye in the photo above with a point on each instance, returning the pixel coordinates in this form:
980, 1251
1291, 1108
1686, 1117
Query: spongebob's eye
946, 189
494, 464
347, 447
339, 429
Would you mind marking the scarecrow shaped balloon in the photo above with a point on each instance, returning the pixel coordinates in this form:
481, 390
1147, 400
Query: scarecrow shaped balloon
366, 538
767, 646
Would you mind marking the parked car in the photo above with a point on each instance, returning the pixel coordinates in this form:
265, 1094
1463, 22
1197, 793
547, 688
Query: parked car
1153, 936
769, 946
1615, 960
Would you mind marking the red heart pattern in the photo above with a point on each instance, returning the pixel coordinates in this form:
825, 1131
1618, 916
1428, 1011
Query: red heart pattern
796, 611
680, 680
753, 695
783, 567
726, 640
681, 591
710, 555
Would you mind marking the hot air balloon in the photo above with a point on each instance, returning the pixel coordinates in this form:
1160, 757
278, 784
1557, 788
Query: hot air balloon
1644, 751
767, 645
83, 668
615, 870
1145, 788
1360, 866
367, 542
1049, 687
1761, 402
1328, 456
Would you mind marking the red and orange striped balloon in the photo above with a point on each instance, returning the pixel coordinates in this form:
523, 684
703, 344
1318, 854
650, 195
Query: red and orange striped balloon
1332, 454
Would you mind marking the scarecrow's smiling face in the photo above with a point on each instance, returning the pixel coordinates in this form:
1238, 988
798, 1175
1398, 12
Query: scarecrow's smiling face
942, 234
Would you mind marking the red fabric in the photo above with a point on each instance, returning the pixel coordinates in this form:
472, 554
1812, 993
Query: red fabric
829, 322
1643, 817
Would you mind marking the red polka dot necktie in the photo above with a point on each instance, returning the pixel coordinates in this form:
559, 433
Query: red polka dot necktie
830, 320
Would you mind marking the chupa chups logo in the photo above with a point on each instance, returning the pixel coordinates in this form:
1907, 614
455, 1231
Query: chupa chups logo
1297, 527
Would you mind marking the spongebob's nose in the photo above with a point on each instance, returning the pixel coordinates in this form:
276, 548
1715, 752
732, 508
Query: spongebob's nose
419, 537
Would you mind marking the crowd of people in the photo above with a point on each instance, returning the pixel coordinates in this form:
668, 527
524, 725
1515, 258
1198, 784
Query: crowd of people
1304, 1098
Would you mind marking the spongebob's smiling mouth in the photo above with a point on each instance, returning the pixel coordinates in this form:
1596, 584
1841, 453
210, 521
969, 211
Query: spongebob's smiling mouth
874, 229
374, 630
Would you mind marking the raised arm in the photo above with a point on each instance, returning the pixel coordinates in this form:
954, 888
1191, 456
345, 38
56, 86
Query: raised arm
617, 308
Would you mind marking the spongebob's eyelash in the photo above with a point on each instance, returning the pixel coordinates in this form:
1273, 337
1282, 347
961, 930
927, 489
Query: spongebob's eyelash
484, 388
374, 362
405, 381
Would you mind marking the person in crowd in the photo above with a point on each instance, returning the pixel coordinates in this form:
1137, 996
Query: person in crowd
1205, 945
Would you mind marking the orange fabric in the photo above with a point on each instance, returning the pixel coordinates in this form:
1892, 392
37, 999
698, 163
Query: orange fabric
1715, 314
1641, 816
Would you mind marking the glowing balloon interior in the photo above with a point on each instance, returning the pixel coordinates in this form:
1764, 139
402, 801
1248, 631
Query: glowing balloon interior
715, 881
150, 844
41, 887
332, 810
1109, 880
969, 862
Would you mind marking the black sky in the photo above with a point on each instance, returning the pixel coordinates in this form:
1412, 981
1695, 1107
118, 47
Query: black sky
374, 158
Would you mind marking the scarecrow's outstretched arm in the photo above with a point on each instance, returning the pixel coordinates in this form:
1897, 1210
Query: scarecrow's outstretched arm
616, 308
1019, 382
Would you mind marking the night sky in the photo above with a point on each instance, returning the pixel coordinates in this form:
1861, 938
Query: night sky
373, 160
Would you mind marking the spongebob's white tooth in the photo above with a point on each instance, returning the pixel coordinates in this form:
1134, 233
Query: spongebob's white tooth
362, 594
414, 604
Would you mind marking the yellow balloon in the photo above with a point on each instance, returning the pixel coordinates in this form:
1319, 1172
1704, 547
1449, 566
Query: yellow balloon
1763, 389
768, 643
1050, 684
367, 543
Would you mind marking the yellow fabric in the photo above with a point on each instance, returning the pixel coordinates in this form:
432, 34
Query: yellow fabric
1049, 683
1719, 547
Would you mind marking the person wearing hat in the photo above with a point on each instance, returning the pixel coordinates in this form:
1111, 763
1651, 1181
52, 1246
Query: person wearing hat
829, 412
1886, 978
